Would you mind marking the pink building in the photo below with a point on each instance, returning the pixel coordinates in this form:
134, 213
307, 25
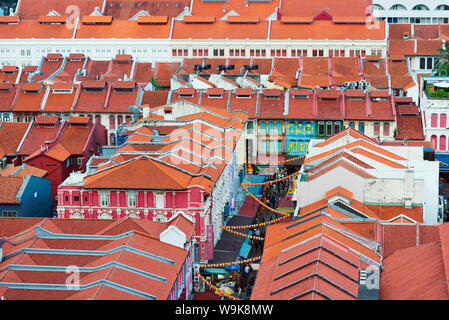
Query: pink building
177, 159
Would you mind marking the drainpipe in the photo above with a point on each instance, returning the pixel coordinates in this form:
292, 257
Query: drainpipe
108, 95
77, 95
24, 136
315, 103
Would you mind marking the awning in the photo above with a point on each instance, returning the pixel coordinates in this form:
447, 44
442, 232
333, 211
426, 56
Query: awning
246, 248
255, 190
215, 271
443, 158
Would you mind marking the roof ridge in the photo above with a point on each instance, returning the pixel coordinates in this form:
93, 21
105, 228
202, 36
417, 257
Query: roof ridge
113, 267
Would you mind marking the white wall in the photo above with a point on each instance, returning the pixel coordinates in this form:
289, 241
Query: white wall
151, 50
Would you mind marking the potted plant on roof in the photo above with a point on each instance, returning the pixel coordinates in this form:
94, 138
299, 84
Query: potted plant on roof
441, 67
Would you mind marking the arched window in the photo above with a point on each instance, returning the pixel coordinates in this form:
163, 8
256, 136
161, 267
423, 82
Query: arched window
321, 128
119, 120
111, 121
128, 119
336, 127
442, 7
442, 143
271, 128
434, 142
97, 118
329, 128
279, 129
386, 129
112, 140
443, 122
378, 7
362, 127
377, 129
263, 128
420, 7
398, 7
352, 125
434, 120
160, 217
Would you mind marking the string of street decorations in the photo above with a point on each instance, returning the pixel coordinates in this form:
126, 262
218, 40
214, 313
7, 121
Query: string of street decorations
232, 229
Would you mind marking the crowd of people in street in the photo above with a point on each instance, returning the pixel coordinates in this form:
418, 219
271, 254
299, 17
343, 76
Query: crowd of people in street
271, 195
245, 277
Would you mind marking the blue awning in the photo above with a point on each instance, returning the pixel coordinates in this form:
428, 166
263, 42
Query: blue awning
255, 190
246, 248
443, 158
215, 271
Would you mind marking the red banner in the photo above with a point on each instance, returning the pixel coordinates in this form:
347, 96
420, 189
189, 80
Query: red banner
210, 241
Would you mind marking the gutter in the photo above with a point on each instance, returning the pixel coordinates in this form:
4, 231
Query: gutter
133, 69
77, 95
269, 29
24, 136
171, 28
44, 99
76, 27
19, 75
104, 7
108, 95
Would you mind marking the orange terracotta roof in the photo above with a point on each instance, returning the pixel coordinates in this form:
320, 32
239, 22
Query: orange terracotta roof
124, 29
295, 19
243, 19
199, 19
386, 212
397, 31
9, 187
11, 133
146, 173
152, 19
219, 9
325, 30
143, 235
344, 164
9, 19
426, 32
219, 30
401, 47
32, 9
415, 274
28, 29
429, 47
96, 20
23, 171
351, 20
339, 191
335, 9
314, 270
52, 19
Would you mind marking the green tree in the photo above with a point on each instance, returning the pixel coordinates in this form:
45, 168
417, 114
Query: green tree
156, 86
441, 67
